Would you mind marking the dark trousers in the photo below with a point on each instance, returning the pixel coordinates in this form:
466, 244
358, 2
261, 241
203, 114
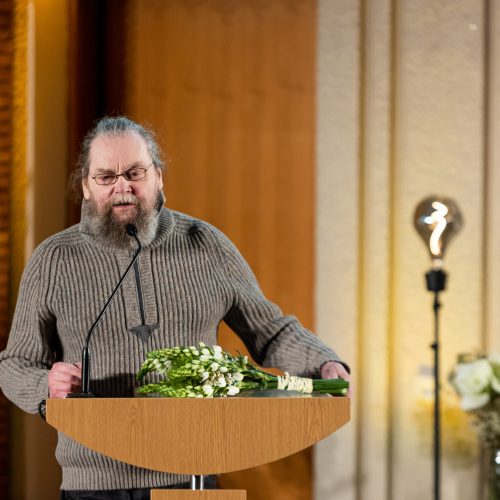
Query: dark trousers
134, 494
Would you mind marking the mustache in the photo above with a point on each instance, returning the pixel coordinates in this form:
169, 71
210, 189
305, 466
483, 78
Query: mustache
124, 199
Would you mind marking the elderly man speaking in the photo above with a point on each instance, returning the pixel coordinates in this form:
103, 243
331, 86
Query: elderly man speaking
188, 278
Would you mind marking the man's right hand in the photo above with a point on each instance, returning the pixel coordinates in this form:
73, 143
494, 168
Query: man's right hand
64, 378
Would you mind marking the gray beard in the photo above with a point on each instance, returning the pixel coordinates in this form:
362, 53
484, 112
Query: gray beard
111, 231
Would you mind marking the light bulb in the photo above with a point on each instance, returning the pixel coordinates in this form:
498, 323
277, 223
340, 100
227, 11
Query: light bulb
437, 220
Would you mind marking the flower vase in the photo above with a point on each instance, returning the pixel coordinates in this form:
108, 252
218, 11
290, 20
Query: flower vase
494, 474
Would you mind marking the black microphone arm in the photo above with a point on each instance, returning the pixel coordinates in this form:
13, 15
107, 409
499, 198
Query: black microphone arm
131, 230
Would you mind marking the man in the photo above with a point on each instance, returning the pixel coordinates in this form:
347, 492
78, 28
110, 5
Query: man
188, 278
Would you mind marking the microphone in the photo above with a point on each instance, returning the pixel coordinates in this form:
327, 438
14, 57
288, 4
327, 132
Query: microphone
131, 230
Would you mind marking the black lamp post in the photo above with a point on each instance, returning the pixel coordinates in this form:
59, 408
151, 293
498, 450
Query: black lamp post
437, 220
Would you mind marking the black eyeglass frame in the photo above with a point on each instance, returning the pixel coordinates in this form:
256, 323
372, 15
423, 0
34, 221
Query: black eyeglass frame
124, 175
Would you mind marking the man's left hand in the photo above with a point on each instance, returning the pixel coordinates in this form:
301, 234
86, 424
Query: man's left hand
334, 369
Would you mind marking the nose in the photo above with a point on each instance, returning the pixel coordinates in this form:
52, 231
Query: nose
122, 185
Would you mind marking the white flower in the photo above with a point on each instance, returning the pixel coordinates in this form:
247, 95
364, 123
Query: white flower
223, 369
217, 351
208, 389
237, 377
214, 366
204, 376
205, 351
473, 378
204, 357
495, 384
494, 358
232, 390
221, 382
474, 401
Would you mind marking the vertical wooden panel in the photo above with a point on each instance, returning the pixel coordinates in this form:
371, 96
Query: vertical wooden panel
229, 86
6, 139
87, 68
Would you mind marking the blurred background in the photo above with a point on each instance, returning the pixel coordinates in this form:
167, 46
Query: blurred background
308, 131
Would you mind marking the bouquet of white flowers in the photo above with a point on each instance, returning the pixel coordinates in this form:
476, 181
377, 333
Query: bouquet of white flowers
476, 379
197, 372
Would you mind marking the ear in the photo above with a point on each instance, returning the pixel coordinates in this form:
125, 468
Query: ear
159, 173
85, 188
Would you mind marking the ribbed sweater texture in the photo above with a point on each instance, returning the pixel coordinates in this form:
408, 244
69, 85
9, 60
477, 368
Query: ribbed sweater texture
188, 280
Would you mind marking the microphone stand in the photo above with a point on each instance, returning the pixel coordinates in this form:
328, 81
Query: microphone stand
436, 283
131, 231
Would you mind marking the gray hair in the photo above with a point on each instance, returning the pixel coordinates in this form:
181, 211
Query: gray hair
112, 126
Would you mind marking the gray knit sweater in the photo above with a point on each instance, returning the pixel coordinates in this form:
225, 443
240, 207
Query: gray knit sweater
189, 279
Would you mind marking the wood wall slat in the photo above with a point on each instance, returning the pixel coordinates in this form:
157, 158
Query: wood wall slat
86, 79
229, 87
6, 131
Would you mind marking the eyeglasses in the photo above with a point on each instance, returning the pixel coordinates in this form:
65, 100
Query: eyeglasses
131, 175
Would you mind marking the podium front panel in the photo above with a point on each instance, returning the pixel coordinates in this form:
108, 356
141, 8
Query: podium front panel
198, 436
198, 495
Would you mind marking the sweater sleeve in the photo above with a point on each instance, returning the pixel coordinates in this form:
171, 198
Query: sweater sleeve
273, 339
24, 364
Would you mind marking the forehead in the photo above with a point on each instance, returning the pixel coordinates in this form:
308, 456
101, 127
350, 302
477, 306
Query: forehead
114, 151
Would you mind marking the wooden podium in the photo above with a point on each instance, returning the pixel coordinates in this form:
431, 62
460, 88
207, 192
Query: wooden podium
198, 436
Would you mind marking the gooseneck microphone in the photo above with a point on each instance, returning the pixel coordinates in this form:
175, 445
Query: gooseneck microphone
131, 230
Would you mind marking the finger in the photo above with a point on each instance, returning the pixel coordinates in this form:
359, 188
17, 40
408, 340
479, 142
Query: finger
62, 390
64, 378
62, 387
333, 370
55, 392
71, 370
350, 391
330, 370
61, 394
66, 368
57, 395
343, 373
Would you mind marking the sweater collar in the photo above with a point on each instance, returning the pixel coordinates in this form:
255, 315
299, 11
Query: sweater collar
166, 223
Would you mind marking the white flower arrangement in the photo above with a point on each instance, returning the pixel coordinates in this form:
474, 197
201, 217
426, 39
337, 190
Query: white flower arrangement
477, 382
201, 372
